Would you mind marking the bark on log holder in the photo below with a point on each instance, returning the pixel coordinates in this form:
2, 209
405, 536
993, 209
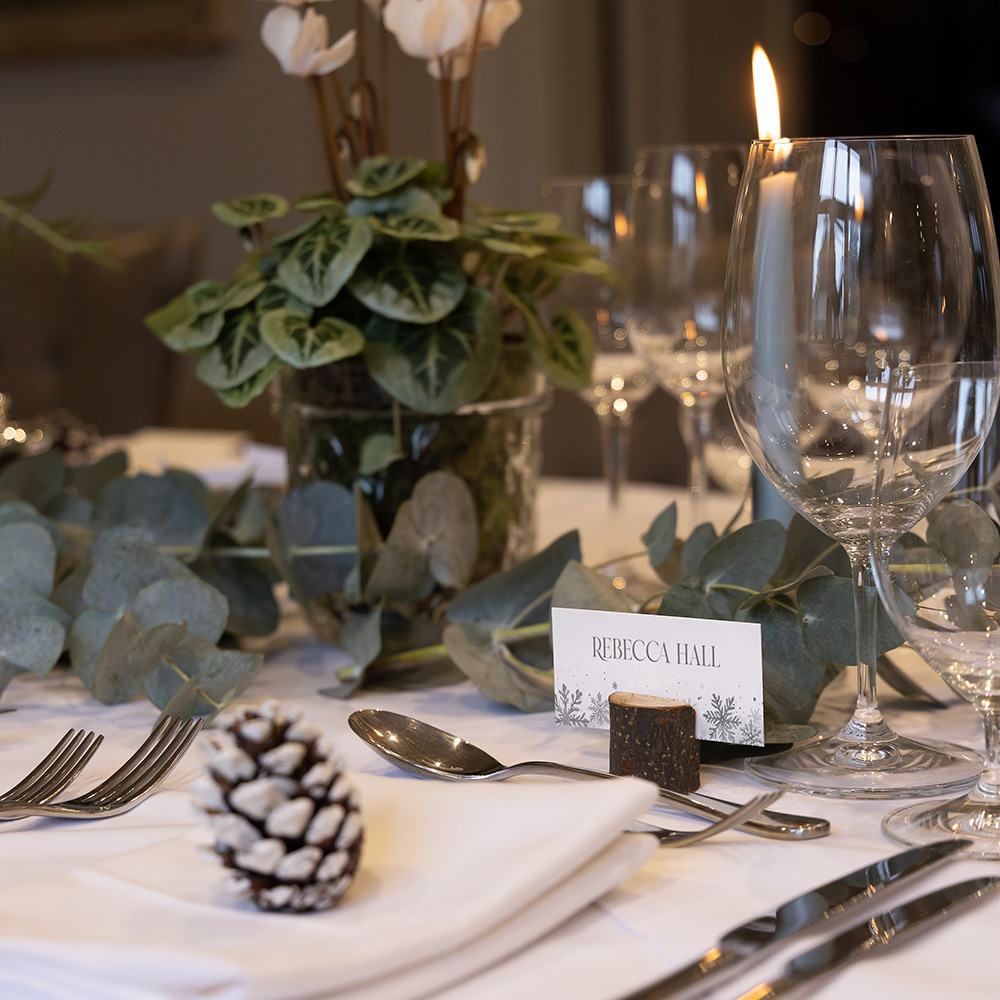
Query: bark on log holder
654, 738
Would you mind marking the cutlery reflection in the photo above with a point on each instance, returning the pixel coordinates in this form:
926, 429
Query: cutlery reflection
747, 943
881, 931
424, 749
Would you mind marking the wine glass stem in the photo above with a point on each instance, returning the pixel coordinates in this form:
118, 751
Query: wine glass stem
697, 425
866, 726
989, 780
615, 435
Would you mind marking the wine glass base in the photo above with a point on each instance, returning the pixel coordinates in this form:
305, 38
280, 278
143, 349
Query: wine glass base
920, 823
847, 769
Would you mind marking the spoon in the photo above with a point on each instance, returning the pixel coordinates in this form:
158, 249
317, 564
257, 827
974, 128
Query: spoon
424, 749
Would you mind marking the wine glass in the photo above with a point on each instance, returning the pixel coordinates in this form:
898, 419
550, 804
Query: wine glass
851, 257
598, 209
940, 583
685, 197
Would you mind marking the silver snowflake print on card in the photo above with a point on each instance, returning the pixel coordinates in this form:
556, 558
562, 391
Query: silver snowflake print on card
723, 720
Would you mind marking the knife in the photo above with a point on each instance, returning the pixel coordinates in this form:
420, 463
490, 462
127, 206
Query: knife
880, 931
743, 945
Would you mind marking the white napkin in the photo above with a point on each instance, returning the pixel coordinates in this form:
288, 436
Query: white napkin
452, 878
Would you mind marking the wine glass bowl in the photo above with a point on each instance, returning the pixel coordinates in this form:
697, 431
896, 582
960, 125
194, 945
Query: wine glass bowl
685, 197
850, 260
598, 208
940, 582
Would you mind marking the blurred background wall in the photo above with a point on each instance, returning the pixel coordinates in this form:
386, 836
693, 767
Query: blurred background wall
145, 127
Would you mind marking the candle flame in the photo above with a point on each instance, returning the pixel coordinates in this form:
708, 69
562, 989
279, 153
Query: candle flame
621, 225
701, 191
765, 92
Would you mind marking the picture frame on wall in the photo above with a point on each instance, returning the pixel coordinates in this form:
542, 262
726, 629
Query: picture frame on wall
44, 29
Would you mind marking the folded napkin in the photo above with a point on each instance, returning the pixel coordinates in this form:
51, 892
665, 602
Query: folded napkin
452, 878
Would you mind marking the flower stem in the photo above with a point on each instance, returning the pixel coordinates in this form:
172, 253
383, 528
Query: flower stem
325, 115
362, 80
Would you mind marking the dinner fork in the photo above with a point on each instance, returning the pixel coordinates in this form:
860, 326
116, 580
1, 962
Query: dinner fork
128, 786
56, 770
677, 838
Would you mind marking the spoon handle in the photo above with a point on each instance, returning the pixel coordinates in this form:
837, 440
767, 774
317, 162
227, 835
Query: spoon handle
781, 826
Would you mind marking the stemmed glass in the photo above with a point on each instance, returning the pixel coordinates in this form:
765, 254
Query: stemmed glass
685, 197
851, 257
599, 209
940, 583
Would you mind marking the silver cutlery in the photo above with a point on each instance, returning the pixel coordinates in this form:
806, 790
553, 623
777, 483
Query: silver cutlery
56, 770
677, 838
128, 786
744, 945
881, 931
424, 749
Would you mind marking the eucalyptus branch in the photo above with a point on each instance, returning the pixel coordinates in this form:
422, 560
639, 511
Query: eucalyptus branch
97, 250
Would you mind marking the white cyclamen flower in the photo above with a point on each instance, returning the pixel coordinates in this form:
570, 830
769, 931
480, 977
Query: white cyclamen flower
427, 29
498, 16
299, 42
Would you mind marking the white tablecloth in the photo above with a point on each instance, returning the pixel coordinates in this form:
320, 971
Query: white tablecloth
672, 910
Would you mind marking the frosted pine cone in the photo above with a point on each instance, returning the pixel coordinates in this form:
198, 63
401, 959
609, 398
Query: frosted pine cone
285, 818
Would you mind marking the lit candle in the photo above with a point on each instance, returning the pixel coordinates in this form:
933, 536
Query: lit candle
773, 329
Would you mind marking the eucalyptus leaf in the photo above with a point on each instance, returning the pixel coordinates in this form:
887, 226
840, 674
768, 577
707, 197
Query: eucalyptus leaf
401, 571
746, 558
419, 285
296, 339
805, 547
248, 589
444, 512
324, 258
128, 656
31, 642
438, 367
479, 657
701, 539
89, 480
689, 597
361, 638
662, 534
520, 595
27, 557
86, 640
828, 621
890, 673
793, 676
202, 608
18, 600
121, 569
35, 478
965, 535
580, 587
320, 515
162, 507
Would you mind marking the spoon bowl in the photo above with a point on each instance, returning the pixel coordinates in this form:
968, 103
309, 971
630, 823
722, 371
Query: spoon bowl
424, 749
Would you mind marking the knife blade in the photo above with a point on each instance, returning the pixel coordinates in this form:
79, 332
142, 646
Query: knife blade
881, 931
745, 944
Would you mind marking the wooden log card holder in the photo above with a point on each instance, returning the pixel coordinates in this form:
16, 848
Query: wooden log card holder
654, 738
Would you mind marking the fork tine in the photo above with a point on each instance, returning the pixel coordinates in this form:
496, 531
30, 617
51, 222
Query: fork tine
161, 732
142, 775
57, 769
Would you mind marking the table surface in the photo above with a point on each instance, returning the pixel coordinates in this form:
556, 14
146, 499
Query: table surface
672, 910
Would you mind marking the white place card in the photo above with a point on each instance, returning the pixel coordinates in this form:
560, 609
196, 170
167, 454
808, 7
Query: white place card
714, 666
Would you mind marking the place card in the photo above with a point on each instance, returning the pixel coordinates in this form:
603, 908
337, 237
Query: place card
714, 666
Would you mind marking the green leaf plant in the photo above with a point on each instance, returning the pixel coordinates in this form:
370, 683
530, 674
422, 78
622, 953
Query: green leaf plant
150, 586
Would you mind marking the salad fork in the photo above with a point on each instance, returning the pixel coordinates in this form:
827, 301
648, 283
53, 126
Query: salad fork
56, 770
128, 786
